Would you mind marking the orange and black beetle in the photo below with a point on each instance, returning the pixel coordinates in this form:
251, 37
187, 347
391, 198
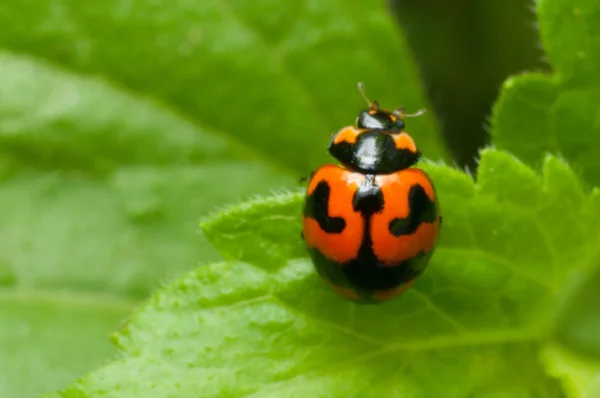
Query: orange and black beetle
372, 223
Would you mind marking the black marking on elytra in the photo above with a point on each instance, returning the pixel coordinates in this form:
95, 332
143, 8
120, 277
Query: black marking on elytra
367, 278
366, 274
374, 152
421, 209
317, 207
368, 198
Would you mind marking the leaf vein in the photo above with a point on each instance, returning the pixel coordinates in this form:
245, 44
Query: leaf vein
435, 309
473, 339
332, 325
504, 262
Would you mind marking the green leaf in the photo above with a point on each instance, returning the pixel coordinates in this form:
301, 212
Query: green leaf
263, 325
540, 113
579, 319
279, 79
50, 118
144, 212
100, 192
32, 338
253, 232
580, 377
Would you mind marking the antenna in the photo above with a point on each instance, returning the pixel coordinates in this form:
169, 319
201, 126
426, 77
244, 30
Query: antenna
361, 90
416, 114
400, 112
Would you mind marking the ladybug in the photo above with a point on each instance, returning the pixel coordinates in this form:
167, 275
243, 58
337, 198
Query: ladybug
371, 223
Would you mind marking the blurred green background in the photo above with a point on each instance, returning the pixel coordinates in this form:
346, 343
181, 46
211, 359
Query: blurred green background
79, 250
465, 50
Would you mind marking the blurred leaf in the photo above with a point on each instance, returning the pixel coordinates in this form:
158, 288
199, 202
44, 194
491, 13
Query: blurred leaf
35, 325
263, 325
279, 79
100, 193
580, 377
143, 215
123, 234
558, 113
50, 118
465, 50
579, 320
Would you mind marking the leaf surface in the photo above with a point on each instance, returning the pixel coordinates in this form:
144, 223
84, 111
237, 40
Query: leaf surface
100, 192
540, 113
278, 79
580, 377
263, 325
557, 113
32, 337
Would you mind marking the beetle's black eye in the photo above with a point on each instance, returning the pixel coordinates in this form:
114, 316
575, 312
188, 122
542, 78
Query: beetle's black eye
399, 125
